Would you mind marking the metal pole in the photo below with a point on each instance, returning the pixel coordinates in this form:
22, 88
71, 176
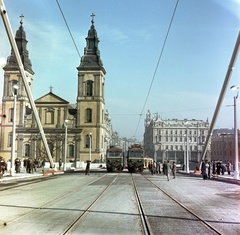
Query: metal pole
236, 172
12, 170
221, 96
65, 148
187, 158
23, 75
90, 146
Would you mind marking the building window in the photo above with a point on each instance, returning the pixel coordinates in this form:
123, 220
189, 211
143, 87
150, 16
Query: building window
71, 150
87, 141
89, 88
10, 115
10, 139
49, 117
88, 115
27, 150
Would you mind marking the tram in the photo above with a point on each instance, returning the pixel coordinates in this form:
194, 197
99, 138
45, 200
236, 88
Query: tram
135, 158
114, 159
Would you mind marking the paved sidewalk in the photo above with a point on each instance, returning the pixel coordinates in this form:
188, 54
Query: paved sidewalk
224, 178
23, 174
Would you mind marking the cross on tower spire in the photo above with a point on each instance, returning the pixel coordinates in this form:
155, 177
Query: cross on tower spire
92, 18
21, 17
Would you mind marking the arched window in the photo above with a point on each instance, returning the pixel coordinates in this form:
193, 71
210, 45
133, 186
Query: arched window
88, 115
89, 90
27, 150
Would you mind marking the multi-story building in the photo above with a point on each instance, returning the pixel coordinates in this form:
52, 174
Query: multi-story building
87, 124
223, 145
171, 139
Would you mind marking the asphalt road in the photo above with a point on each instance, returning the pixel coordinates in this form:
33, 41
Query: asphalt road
106, 203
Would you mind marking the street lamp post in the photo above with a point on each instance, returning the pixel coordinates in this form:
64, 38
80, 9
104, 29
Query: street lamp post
236, 172
90, 146
65, 146
15, 87
187, 157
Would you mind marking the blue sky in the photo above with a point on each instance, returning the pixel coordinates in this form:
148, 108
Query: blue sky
190, 74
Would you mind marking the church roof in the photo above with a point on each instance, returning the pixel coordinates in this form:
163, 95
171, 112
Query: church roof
21, 42
50, 98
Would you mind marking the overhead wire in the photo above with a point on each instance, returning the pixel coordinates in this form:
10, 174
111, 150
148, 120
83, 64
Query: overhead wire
155, 71
68, 28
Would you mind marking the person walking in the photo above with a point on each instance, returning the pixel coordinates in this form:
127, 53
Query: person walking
87, 171
17, 165
43, 165
228, 167
168, 169
174, 170
205, 169
60, 163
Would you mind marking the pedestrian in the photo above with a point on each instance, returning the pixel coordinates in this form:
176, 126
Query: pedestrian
218, 167
154, 168
150, 167
164, 168
60, 163
3, 166
174, 169
223, 168
205, 169
87, 171
214, 167
43, 165
167, 169
17, 165
228, 167
25, 163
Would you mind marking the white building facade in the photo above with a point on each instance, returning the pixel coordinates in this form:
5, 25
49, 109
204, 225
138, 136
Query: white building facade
175, 139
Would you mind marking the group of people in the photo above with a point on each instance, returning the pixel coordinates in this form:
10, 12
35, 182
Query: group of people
166, 168
214, 168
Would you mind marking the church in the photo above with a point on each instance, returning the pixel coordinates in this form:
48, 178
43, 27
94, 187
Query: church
79, 132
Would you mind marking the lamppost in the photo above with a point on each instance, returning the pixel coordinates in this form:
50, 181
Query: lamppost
65, 146
187, 158
90, 146
236, 172
15, 87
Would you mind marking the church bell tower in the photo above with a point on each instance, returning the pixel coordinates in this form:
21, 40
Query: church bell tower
90, 99
12, 76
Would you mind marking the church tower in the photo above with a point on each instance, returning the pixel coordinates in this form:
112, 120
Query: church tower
90, 99
11, 76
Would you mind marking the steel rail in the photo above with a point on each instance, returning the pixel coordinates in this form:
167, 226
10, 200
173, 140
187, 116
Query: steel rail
46, 205
144, 220
72, 225
210, 227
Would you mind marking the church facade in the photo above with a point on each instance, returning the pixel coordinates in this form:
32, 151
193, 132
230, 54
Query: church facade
83, 128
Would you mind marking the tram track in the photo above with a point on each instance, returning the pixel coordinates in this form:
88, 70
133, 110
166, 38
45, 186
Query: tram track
45, 205
144, 221
71, 227
204, 222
